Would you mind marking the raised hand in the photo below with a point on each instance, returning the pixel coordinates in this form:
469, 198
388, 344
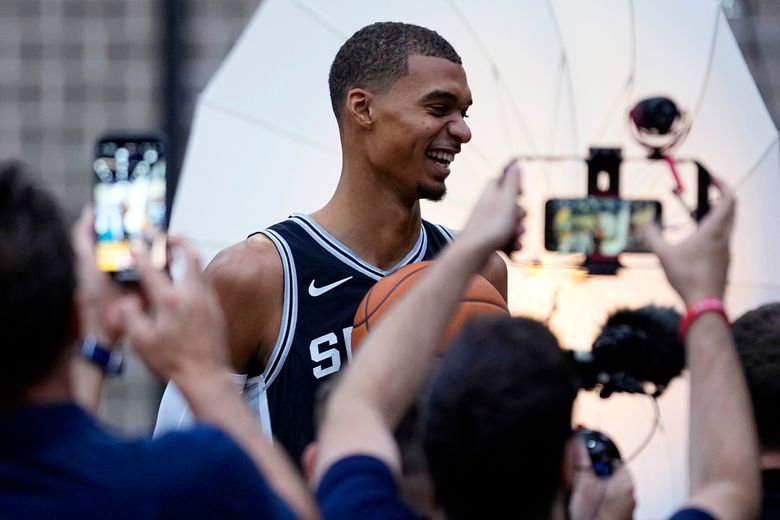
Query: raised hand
184, 334
99, 296
594, 497
697, 268
496, 222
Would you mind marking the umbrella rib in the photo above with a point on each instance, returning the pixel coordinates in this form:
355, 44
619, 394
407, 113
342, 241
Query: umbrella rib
771, 286
319, 19
642, 179
565, 70
610, 114
565, 64
484, 159
632, 77
269, 126
496, 72
625, 93
756, 164
710, 61
556, 111
502, 114
328, 26
628, 86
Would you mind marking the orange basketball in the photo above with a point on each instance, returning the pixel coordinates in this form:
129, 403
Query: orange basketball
479, 298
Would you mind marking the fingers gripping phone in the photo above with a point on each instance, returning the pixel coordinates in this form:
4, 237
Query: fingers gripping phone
129, 184
598, 225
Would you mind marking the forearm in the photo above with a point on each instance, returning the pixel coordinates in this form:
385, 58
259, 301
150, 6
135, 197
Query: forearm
385, 377
723, 445
214, 400
388, 378
87, 377
87, 383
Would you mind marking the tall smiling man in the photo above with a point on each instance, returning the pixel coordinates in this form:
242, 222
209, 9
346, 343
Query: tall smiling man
290, 292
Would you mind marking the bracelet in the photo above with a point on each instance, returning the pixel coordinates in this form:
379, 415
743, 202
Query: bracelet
699, 308
109, 361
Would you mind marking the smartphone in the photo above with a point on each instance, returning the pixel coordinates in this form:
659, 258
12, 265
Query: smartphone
129, 184
603, 453
603, 226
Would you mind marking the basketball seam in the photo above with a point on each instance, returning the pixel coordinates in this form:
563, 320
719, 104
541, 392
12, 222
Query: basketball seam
367, 316
364, 321
486, 302
389, 293
365, 307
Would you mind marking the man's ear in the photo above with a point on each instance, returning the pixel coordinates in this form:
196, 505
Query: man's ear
309, 459
358, 107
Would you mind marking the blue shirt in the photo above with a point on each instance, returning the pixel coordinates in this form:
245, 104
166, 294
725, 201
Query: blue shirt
56, 462
361, 487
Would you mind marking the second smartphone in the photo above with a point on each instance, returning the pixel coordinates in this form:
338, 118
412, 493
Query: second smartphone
598, 225
129, 185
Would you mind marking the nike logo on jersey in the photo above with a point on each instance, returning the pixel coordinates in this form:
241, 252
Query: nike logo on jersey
319, 291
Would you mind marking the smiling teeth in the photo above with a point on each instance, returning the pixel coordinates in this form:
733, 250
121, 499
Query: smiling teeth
442, 156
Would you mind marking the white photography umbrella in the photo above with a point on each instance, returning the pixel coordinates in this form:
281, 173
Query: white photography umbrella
549, 78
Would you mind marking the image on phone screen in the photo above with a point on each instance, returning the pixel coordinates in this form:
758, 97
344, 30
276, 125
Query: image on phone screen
598, 226
129, 198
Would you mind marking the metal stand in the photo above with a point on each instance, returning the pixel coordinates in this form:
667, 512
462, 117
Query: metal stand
603, 162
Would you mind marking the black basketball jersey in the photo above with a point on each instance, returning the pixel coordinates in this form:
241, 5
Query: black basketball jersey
324, 282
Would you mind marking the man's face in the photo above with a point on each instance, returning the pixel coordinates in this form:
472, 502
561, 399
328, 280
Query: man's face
420, 126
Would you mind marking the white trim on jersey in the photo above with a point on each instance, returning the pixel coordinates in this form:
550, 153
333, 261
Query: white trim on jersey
447, 233
257, 398
289, 311
343, 253
349, 257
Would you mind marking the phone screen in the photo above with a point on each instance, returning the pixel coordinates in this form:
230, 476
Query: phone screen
598, 226
129, 198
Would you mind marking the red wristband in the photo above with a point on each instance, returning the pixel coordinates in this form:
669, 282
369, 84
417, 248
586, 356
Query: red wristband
699, 308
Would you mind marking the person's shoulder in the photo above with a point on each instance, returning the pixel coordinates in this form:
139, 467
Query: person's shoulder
247, 276
252, 259
249, 281
207, 472
692, 513
210, 444
361, 486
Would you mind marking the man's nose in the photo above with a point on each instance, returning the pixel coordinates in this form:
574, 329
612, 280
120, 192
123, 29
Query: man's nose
460, 129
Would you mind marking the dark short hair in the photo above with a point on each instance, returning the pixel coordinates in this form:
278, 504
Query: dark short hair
757, 337
37, 282
497, 420
377, 55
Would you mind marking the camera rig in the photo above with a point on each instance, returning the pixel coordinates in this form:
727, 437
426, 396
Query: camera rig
659, 126
606, 162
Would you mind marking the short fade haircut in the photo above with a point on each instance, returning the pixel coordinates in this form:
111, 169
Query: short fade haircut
377, 56
37, 282
497, 420
757, 337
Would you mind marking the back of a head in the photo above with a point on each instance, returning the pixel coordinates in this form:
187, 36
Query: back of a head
497, 420
757, 337
376, 56
37, 282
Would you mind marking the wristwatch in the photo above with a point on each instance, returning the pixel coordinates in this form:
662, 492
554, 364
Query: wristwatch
108, 360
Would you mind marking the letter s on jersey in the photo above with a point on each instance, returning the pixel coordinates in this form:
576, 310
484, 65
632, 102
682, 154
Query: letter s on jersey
329, 360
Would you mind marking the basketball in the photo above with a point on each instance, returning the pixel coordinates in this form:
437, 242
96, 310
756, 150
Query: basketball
479, 298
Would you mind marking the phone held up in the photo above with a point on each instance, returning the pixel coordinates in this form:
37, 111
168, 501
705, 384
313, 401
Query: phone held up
129, 184
600, 226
